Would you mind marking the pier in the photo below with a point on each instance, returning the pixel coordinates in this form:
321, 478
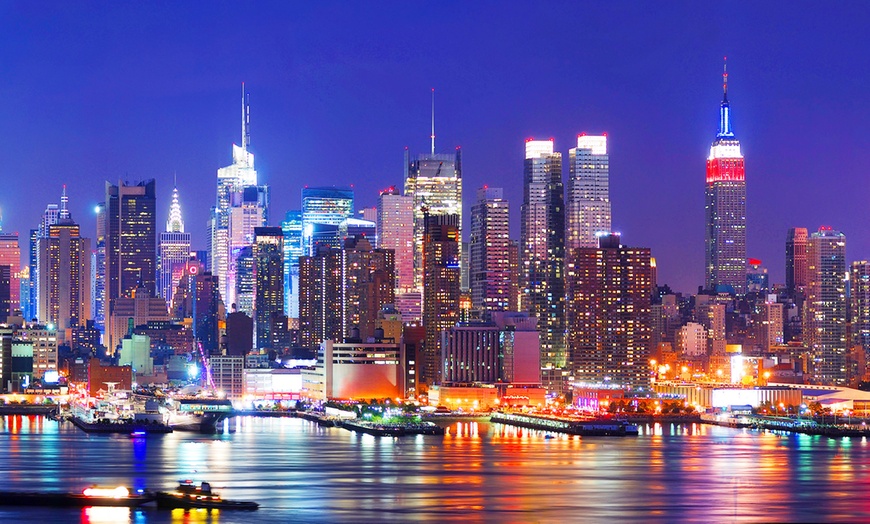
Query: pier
599, 428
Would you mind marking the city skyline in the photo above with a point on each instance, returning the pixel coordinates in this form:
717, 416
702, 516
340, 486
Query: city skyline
74, 103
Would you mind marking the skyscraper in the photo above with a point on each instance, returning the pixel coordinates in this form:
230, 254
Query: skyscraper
725, 208
441, 291
231, 183
269, 274
247, 212
609, 313
10, 255
434, 183
131, 247
98, 270
542, 244
796, 261
343, 289
292, 229
396, 223
860, 305
174, 251
49, 217
489, 260
64, 282
323, 210
824, 324
587, 199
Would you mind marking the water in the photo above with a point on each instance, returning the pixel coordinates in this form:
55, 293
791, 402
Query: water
478, 472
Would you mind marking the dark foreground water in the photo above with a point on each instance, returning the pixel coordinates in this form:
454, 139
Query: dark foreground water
479, 472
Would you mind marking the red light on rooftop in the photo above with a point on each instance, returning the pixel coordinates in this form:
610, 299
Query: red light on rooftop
825, 228
603, 134
552, 139
581, 134
529, 139
754, 262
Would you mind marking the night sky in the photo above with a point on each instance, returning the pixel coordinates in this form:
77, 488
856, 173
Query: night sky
134, 90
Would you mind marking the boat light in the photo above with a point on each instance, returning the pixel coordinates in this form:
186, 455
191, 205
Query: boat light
116, 493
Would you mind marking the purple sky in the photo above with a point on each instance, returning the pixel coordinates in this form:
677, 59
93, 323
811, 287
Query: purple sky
122, 90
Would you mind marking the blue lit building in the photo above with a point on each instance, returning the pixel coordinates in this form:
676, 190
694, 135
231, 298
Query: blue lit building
292, 229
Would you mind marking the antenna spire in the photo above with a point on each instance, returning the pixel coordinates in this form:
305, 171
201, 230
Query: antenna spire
246, 119
725, 78
64, 213
432, 136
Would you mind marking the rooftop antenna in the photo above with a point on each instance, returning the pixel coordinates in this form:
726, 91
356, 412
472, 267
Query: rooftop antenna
432, 136
246, 119
725, 77
64, 214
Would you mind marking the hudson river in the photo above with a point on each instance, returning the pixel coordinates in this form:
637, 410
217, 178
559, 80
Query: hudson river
478, 472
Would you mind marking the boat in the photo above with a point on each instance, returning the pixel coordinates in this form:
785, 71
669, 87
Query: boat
189, 495
92, 496
198, 414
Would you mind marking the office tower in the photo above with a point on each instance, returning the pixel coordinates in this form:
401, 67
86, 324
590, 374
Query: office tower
609, 313
757, 279
395, 220
28, 298
5, 291
489, 260
370, 214
197, 297
231, 183
10, 255
472, 353
131, 247
725, 208
440, 289
355, 227
860, 305
341, 291
434, 184
127, 312
269, 274
587, 198
796, 261
323, 209
64, 284
514, 288
49, 217
174, 250
98, 269
824, 325
292, 229
770, 324
542, 230
247, 212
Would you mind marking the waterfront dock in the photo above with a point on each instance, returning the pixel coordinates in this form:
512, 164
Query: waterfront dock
387, 429
598, 427
806, 426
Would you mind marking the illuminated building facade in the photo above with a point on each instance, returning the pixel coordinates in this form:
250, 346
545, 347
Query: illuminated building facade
356, 370
434, 184
247, 213
395, 220
131, 243
198, 298
725, 208
324, 206
292, 229
174, 251
342, 290
269, 274
10, 255
440, 289
232, 182
860, 305
542, 257
587, 199
609, 313
64, 284
824, 326
489, 260
98, 270
796, 261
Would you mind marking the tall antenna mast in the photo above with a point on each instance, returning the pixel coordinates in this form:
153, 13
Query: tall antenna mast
244, 127
64, 213
725, 77
432, 136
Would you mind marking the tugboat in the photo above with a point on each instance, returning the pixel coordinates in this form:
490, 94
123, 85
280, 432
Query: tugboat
189, 495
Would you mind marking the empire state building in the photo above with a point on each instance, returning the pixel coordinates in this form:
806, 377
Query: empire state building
725, 208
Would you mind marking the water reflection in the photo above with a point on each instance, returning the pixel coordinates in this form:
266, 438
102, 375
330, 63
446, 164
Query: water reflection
478, 471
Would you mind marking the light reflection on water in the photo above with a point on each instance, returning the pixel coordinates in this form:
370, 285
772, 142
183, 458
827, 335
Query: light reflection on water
478, 471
